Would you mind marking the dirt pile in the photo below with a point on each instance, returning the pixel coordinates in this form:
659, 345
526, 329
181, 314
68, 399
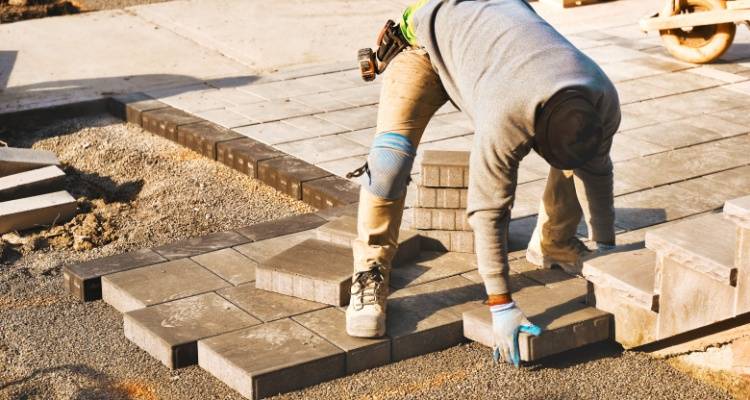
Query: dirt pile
12, 11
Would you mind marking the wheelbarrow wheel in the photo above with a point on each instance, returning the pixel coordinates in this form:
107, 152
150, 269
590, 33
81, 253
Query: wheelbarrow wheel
699, 44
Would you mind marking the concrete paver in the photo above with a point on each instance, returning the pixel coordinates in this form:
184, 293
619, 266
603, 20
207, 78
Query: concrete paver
165, 121
280, 227
244, 155
265, 305
14, 160
29, 212
431, 266
129, 107
331, 191
159, 283
31, 183
195, 246
229, 264
169, 332
287, 174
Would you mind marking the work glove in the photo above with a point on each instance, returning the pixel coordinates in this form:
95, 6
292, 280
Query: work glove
507, 323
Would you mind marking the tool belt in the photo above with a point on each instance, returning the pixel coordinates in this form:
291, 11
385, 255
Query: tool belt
390, 42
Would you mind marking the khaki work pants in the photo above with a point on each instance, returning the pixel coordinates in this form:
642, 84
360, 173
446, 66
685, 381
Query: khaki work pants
410, 95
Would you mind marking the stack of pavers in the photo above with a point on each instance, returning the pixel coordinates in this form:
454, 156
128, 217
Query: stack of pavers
31, 192
439, 212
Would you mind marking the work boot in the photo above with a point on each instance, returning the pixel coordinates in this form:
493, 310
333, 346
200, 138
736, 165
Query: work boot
569, 256
365, 316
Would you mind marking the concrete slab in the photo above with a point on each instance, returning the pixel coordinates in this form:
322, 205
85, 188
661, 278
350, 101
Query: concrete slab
353, 119
316, 150
313, 270
629, 274
441, 197
204, 244
272, 133
170, 331
228, 264
666, 203
165, 121
272, 358
84, 280
263, 250
361, 354
288, 174
267, 306
440, 218
30, 212
281, 227
442, 240
14, 160
432, 266
427, 317
274, 110
31, 183
566, 324
244, 155
203, 137
129, 107
159, 283
343, 231
329, 192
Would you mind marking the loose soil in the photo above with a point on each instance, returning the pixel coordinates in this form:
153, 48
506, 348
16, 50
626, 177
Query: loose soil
50, 8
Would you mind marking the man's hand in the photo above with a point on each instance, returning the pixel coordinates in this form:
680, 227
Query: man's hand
507, 322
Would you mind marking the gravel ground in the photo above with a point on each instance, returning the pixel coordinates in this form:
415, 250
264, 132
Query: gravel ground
52, 347
91, 5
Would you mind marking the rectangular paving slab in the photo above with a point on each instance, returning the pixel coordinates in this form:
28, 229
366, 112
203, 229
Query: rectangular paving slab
31, 183
343, 231
442, 240
244, 155
445, 169
313, 270
265, 305
281, 227
170, 331
130, 107
84, 280
738, 211
229, 264
196, 246
440, 218
329, 192
288, 174
566, 324
272, 358
159, 283
634, 325
203, 137
361, 354
432, 266
14, 160
428, 197
165, 121
629, 273
29, 212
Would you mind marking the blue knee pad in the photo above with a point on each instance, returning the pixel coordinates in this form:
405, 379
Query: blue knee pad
390, 161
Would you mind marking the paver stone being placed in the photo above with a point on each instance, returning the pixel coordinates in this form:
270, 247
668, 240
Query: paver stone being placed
281, 227
427, 318
31, 183
196, 246
272, 358
738, 211
265, 305
14, 160
229, 264
432, 266
29, 212
566, 324
312, 270
361, 354
170, 331
343, 231
84, 280
159, 283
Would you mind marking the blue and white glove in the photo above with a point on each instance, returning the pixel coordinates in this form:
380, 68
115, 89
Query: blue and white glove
507, 322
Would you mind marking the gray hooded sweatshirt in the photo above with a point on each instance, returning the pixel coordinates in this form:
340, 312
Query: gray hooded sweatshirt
500, 62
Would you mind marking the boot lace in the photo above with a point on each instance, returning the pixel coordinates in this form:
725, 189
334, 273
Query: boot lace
367, 285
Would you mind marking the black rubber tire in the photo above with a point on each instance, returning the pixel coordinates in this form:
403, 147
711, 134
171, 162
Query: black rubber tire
701, 44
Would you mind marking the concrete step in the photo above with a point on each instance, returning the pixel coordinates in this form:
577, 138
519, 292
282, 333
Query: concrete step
31, 183
312, 270
622, 283
738, 211
445, 169
567, 324
14, 160
343, 231
695, 273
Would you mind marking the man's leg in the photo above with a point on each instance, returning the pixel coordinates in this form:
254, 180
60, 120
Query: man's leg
411, 94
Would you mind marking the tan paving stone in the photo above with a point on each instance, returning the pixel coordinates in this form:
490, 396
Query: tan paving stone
353, 118
262, 250
321, 149
169, 332
272, 133
31, 183
29, 212
267, 306
274, 110
228, 264
195, 246
14, 160
432, 266
272, 358
159, 283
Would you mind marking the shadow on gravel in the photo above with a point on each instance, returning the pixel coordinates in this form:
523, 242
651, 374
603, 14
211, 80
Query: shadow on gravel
94, 186
101, 386
581, 355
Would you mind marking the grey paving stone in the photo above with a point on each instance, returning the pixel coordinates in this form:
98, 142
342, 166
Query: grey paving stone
274, 110
321, 149
713, 258
343, 166
31, 183
738, 211
281, 89
159, 283
46, 209
361, 354
440, 218
272, 133
566, 324
170, 331
281, 227
202, 137
14, 160
288, 174
432, 266
327, 82
612, 53
165, 121
228, 264
331, 214
332, 191
690, 299
272, 358
362, 137
265, 305
343, 231
441, 197
633, 325
365, 95
673, 134
325, 101
314, 126
312, 270
226, 118
353, 118
444, 168
204, 244
626, 147
245, 154
655, 206
194, 98
84, 282
427, 317
439, 130
129, 107
442, 240
629, 274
